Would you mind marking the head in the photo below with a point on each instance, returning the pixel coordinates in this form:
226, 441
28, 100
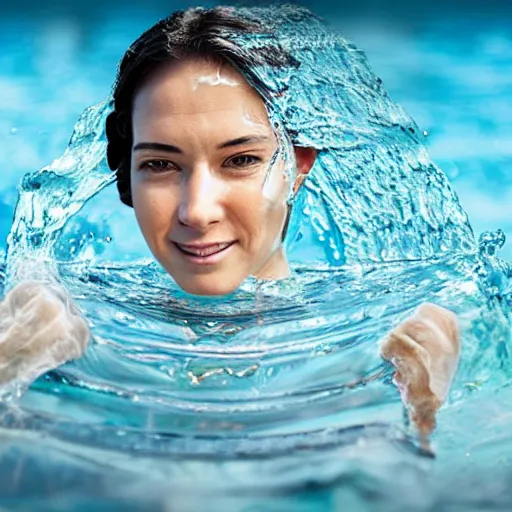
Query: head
207, 172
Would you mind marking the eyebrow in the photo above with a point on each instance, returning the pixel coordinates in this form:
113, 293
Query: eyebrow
248, 139
169, 148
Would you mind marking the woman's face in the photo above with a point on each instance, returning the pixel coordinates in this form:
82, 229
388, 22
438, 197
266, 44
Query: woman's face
202, 147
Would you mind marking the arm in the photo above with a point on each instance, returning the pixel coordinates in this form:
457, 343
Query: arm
425, 351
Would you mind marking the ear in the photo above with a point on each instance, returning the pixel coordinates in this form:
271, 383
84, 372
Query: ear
305, 158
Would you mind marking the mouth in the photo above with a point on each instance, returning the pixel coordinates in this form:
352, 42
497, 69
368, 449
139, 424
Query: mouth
204, 253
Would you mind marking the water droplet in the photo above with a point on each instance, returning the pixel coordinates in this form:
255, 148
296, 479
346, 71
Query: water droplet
490, 242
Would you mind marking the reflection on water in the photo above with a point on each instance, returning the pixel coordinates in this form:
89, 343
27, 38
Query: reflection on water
274, 397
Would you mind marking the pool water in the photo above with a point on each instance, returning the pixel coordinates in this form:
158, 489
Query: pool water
276, 399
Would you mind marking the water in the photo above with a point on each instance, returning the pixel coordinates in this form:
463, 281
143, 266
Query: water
276, 399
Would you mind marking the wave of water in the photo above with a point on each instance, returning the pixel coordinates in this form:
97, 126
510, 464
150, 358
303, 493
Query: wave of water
277, 390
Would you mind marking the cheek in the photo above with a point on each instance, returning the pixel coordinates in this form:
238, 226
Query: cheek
154, 209
276, 186
262, 219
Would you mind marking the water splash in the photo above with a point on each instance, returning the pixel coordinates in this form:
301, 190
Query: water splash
373, 193
50, 197
373, 184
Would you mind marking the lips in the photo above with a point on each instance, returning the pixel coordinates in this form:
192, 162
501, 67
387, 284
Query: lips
203, 250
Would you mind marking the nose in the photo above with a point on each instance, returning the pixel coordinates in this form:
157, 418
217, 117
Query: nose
200, 204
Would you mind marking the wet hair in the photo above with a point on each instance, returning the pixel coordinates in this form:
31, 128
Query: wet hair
220, 33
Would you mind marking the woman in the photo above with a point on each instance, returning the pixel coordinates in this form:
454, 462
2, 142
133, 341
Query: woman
200, 146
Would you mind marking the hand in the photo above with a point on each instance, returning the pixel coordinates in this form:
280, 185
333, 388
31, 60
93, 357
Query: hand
40, 328
425, 351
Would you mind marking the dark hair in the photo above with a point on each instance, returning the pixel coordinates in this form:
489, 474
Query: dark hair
223, 33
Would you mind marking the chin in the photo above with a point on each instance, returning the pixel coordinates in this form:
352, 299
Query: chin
207, 287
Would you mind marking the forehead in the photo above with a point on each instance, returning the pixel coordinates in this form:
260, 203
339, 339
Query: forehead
198, 88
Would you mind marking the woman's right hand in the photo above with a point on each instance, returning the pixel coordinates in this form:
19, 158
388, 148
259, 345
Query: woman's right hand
40, 329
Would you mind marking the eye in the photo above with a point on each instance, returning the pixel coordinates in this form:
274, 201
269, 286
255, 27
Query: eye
158, 166
243, 161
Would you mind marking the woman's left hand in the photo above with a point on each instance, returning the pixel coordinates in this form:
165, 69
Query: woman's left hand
425, 351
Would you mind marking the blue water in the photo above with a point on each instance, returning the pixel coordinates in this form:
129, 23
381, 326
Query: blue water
277, 399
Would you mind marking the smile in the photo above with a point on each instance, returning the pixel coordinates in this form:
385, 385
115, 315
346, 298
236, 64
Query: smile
204, 253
